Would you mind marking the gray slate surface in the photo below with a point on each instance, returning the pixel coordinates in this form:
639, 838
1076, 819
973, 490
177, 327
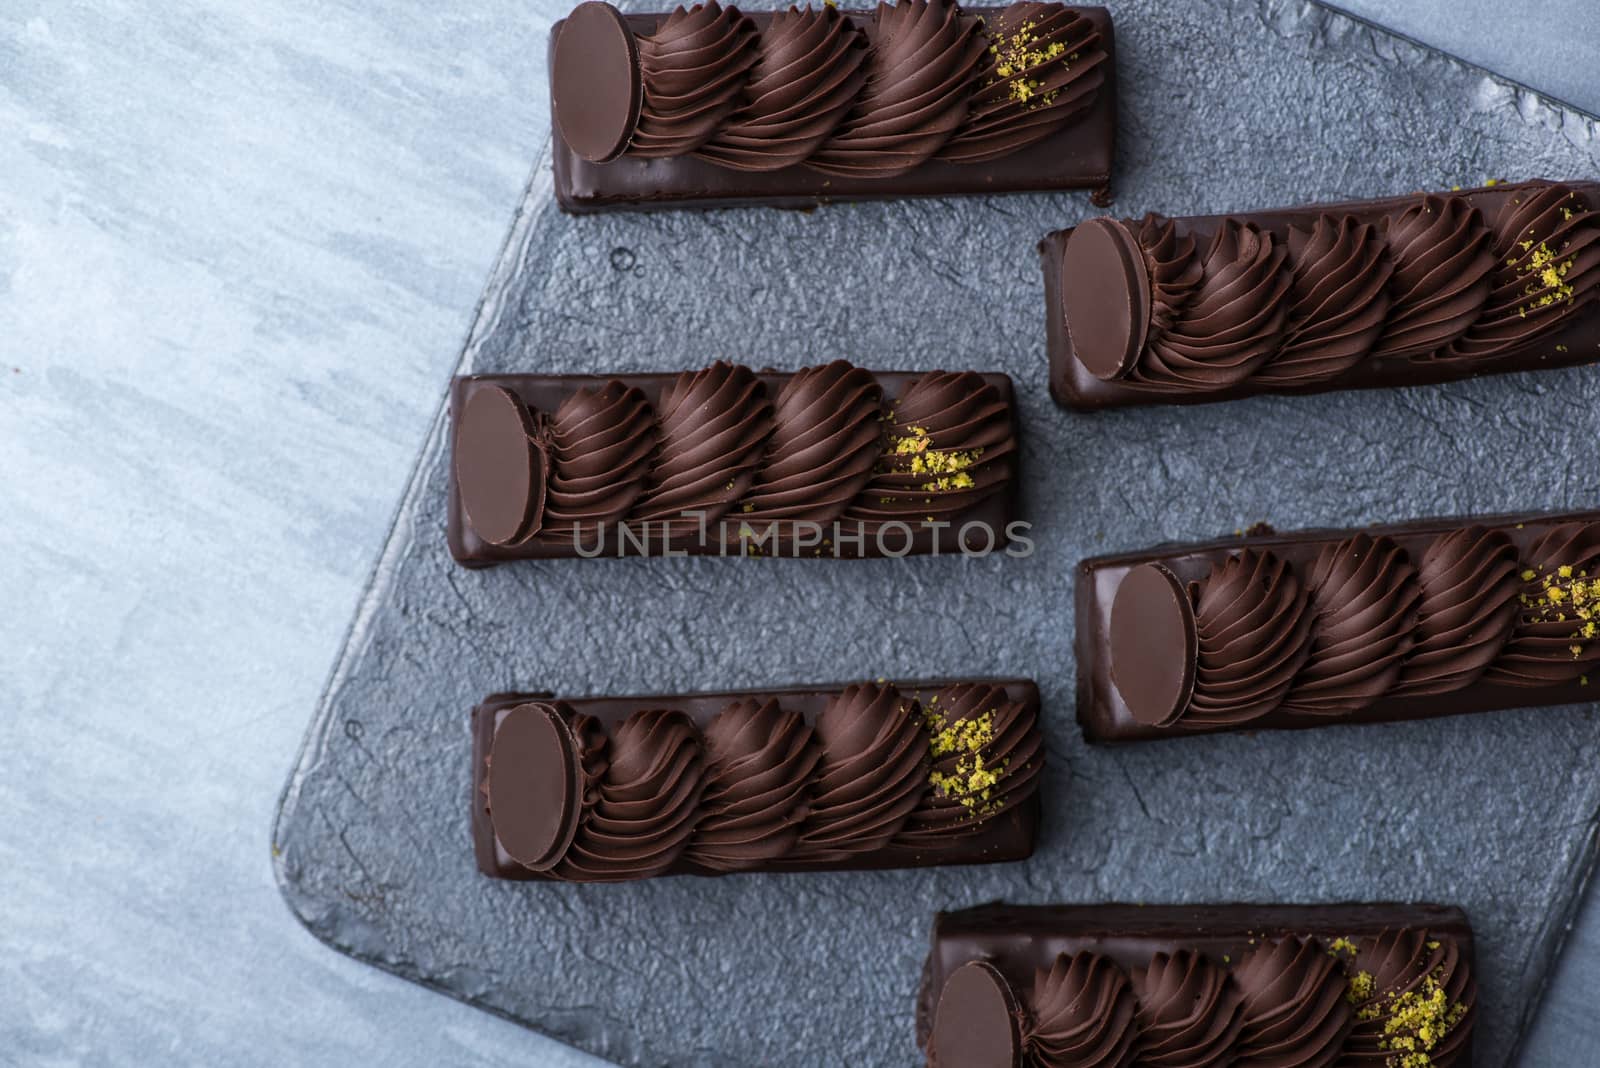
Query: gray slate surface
239, 247
1549, 45
240, 244
1495, 813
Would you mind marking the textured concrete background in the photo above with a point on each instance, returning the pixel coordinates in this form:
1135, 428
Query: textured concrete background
239, 246
1550, 45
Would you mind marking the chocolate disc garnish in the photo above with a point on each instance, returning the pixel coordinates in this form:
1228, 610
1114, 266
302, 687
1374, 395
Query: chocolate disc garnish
1105, 291
595, 83
500, 467
535, 799
1154, 645
977, 1023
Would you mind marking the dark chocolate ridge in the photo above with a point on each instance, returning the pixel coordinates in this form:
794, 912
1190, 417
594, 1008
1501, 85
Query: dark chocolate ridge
1019, 940
1190, 1010
923, 67
1082, 1013
544, 393
1007, 836
693, 65
1078, 156
805, 81
1572, 340
1104, 717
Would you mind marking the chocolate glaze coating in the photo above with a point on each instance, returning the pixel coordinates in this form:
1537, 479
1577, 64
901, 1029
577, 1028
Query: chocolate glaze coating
713, 426
1254, 625
1363, 603
1233, 322
827, 438
760, 762
1190, 1011
693, 69
1263, 986
1469, 585
873, 774
1379, 637
1295, 1007
966, 129
1082, 1014
797, 779
1391, 292
757, 455
808, 75
603, 442
921, 72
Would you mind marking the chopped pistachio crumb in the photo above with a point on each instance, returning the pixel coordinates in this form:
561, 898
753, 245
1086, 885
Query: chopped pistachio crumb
949, 469
972, 781
1018, 58
1414, 1021
1544, 277
1564, 595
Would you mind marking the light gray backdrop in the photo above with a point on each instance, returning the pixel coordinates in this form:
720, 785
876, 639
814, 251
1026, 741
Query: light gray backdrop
240, 244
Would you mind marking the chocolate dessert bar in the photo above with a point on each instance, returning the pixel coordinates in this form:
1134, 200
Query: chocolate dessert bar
872, 775
1414, 620
1398, 292
711, 106
1268, 986
828, 461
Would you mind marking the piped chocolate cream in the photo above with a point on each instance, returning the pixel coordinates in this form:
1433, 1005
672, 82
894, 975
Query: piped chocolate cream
1228, 986
1393, 292
872, 775
708, 104
830, 461
1294, 630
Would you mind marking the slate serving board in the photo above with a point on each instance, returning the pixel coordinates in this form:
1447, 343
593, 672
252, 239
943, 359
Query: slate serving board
1225, 106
